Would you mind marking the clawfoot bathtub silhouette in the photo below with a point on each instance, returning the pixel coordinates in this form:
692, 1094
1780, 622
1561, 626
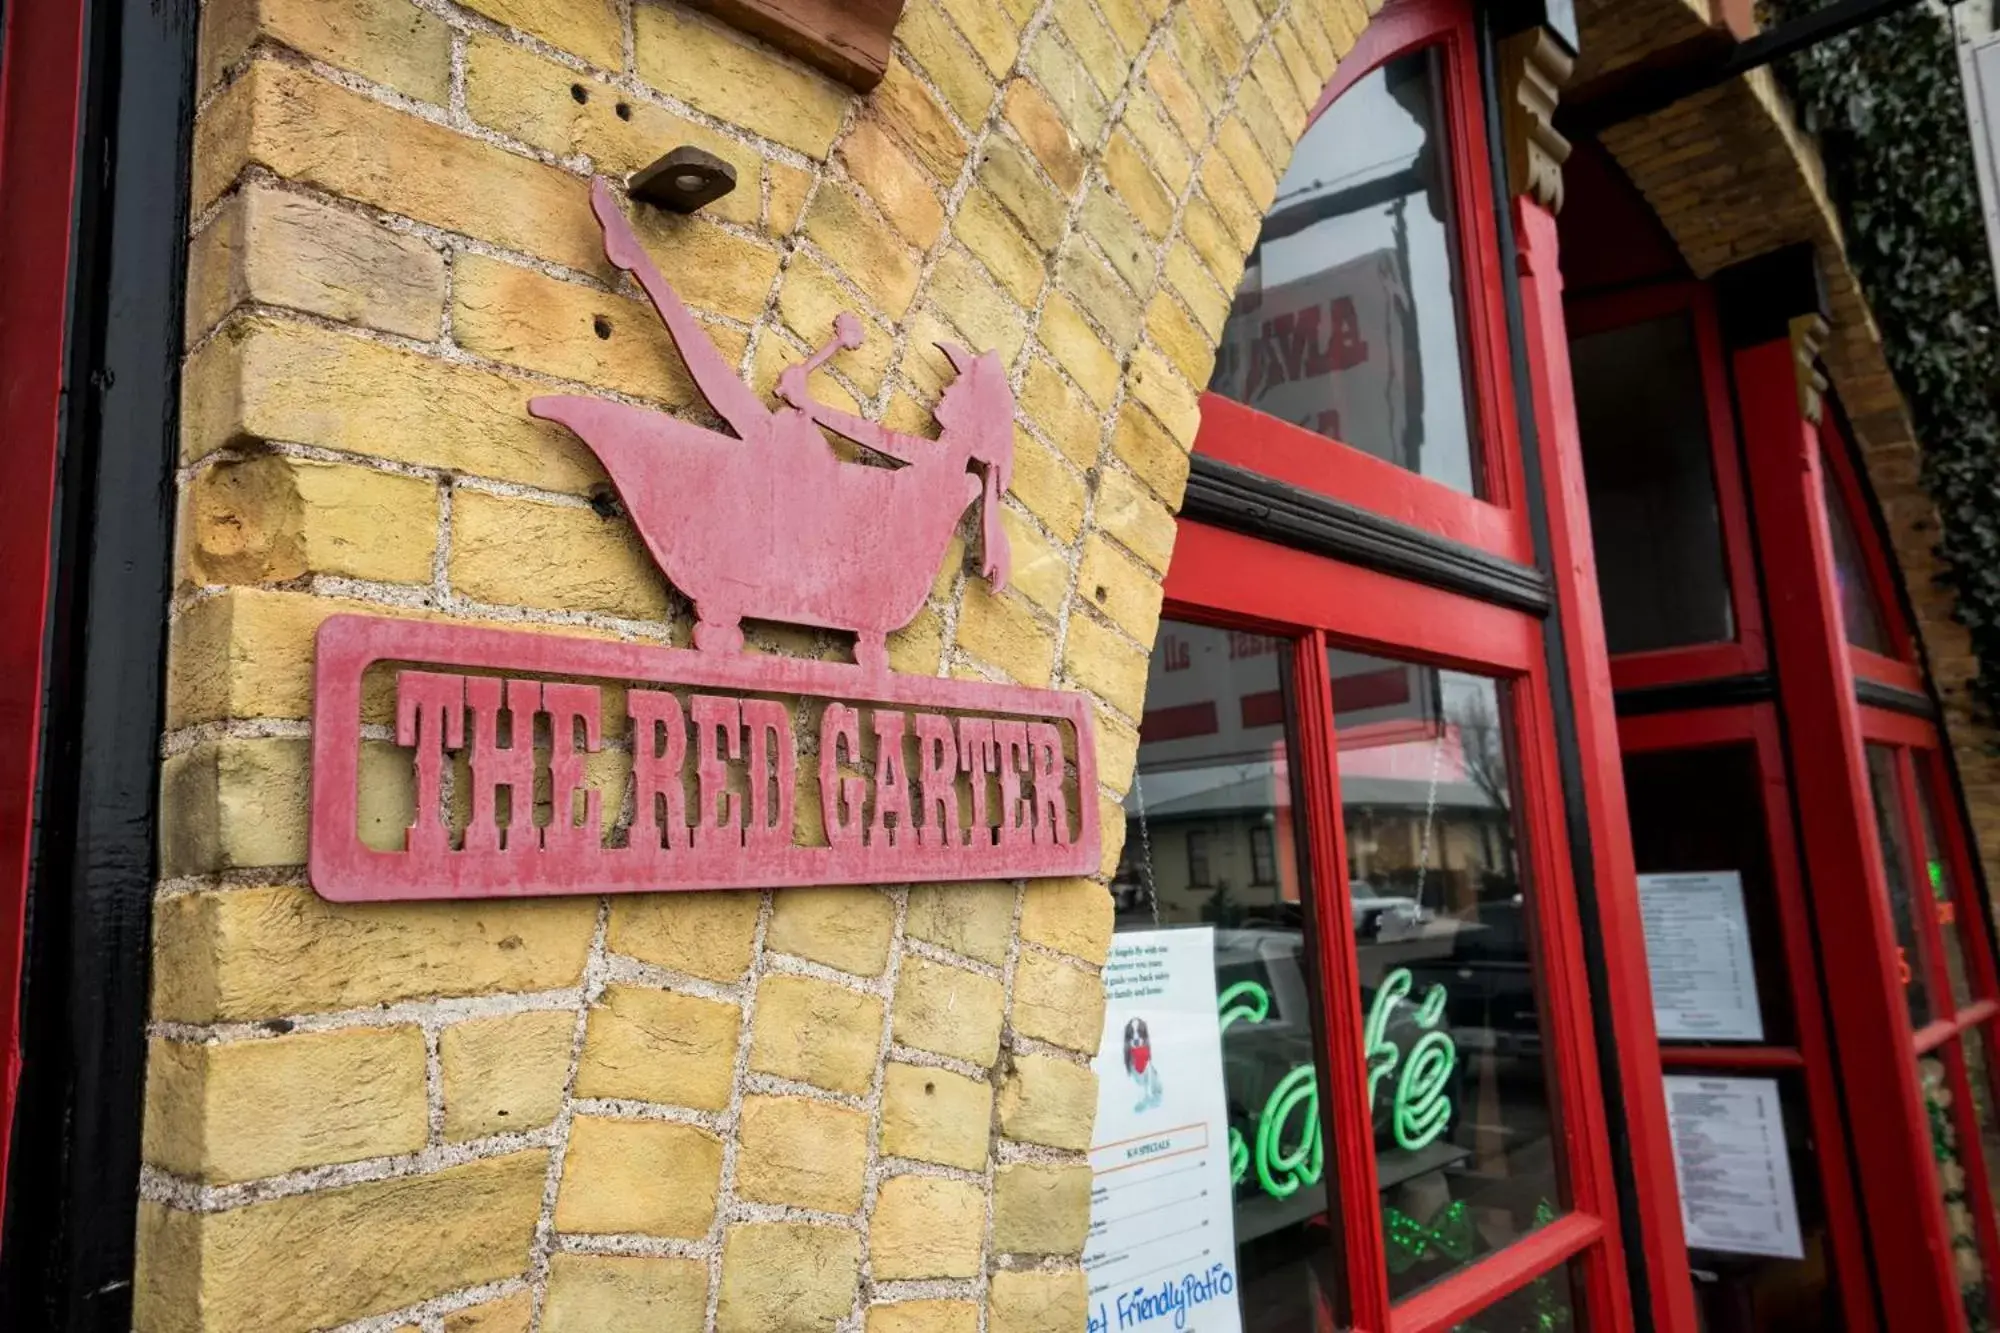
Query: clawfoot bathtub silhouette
770, 523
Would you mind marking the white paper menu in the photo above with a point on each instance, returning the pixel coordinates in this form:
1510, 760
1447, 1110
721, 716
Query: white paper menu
1698, 950
1735, 1173
1162, 1251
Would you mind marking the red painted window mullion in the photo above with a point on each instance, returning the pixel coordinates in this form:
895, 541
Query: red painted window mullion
1627, 1006
1348, 1123
1447, 1303
1566, 1006
1843, 1209
1745, 1058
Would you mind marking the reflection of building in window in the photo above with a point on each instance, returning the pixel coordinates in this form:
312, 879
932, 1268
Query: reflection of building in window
1197, 857
1263, 857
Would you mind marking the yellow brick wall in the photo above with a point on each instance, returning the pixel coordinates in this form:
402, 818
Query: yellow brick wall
860, 1109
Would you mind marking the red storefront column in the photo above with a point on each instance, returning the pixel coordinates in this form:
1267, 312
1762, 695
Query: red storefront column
41, 55
1628, 1008
1775, 335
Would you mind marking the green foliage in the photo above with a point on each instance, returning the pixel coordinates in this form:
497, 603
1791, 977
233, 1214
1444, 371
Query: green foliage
1886, 104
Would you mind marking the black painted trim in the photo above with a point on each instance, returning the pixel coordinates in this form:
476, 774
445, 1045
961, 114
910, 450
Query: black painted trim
1569, 753
66, 1255
1874, 694
1228, 496
1716, 60
1683, 696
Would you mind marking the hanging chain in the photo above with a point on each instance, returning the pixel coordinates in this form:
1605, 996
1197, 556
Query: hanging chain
1146, 849
1430, 810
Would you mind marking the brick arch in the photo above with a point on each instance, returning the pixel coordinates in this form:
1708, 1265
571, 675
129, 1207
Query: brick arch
1731, 176
468, 1116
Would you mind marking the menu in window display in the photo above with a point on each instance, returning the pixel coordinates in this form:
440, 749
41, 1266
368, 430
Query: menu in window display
1162, 1246
1698, 949
1734, 1168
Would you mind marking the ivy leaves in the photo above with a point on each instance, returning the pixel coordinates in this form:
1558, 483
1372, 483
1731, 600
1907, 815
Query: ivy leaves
1886, 104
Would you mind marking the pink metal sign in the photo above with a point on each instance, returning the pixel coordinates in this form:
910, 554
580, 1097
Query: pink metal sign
516, 764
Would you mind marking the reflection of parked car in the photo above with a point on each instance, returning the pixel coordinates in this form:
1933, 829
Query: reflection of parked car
1384, 916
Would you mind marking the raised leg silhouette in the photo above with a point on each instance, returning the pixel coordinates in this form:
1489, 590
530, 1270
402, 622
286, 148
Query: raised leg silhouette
718, 633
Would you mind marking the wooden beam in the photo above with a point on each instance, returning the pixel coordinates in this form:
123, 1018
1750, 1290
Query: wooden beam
848, 39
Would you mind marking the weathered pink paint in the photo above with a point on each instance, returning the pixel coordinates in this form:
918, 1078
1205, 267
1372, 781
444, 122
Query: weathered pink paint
970, 780
771, 523
920, 778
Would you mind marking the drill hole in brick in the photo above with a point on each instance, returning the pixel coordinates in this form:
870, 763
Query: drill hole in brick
624, 110
577, 94
601, 326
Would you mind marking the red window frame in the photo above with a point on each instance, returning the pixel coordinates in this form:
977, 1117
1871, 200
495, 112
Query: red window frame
1748, 653
41, 72
1756, 726
1234, 433
1235, 581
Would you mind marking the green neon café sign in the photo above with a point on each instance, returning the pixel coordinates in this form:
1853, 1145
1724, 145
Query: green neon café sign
1289, 1153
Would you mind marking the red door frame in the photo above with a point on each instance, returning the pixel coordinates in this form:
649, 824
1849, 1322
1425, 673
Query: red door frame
41, 63
1756, 725
1856, 936
1239, 581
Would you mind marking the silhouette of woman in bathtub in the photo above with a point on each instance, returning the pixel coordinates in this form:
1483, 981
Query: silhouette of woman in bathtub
771, 523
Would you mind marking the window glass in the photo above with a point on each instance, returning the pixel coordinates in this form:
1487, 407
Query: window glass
1961, 1228
1860, 613
1546, 1305
1895, 845
1650, 476
1749, 1293
1348, 321
1699, 811
1941, 894
1465, 1146
1980, 1074
1213, 784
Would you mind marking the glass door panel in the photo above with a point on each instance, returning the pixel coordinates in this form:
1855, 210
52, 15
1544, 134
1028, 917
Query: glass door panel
1700, 812
1464, 1128
1956, 1190
1739, 1292
1736, 984
1942, 895
1860, 611
1911, 958
1649, 470
1212, 839
1979, 1073
1348, 320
